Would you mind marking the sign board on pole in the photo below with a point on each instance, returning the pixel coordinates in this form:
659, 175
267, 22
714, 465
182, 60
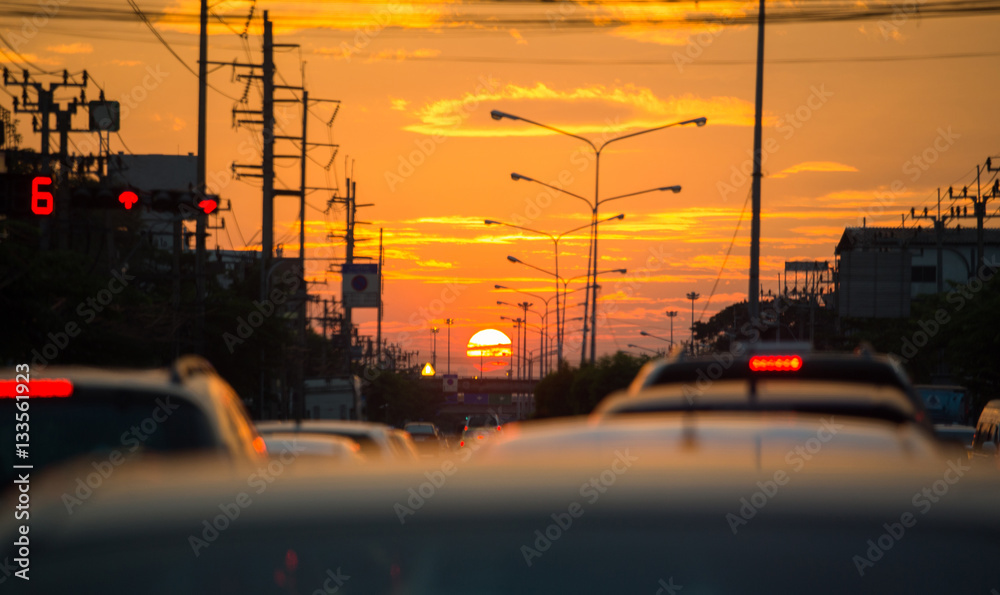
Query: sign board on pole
450, 384
360, 288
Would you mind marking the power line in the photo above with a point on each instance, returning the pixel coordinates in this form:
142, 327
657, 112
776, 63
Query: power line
729, 250
142, 17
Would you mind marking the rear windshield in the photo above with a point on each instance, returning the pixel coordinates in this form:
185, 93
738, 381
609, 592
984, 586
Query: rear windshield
96, 422
421, 429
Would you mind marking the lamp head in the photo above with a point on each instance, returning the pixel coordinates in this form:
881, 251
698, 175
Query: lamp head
622, 271
490, 222
516, 177
644, 333
697, 121
513, 259
674, 189
499, 115
620, 216
499, 287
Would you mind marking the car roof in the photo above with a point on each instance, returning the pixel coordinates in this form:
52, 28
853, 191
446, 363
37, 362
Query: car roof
303, 443
843, 398
333, 426
761, 439
866, 368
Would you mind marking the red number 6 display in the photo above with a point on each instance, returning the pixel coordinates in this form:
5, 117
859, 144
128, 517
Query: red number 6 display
41, 201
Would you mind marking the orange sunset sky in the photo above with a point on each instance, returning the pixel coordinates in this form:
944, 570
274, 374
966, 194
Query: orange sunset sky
848, 107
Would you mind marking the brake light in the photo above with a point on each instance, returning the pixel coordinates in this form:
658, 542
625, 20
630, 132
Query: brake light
462, 443
37, 389
259, 446
775, 363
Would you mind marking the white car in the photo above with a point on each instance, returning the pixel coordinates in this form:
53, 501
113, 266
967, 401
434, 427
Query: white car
375, 439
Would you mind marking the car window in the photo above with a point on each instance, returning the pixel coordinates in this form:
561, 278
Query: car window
97, 422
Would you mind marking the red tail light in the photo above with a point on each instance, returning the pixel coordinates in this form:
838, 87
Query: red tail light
462, 443
775, 363
37, 389
259, 446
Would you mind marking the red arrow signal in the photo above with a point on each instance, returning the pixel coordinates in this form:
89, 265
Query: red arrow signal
208, 205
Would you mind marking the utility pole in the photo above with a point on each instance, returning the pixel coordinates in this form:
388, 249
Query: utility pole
201, 218
449, 322
753, 291
378, 328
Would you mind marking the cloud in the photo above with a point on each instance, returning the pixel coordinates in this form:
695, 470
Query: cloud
645, 110
814, 166
71, 48
118, 62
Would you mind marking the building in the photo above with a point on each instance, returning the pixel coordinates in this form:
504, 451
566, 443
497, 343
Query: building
881, 269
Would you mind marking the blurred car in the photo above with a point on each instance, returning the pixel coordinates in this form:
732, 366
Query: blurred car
577, 524
375, 439
426, 436
337, 448
111, 415
403, 443
987, 436
767, 440
795, 363
840, 399
475, 435
955, 435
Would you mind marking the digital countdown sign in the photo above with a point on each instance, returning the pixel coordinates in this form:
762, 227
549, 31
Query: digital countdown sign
42, 199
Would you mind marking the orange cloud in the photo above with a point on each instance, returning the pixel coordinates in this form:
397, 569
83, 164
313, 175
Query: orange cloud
448, 117
813, 166
71, 48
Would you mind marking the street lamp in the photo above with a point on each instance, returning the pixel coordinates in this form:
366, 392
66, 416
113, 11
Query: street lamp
592, 266
434, 346
634, 346
645, 334
555, 241
517, 326
692, 296
671, 314
544, 319
449, 322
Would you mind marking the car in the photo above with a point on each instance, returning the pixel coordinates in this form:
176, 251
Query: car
841, 399
475, 435
326, 446
403, 443
955, 435
426, 436
779, 362
987, 436
109, 416
375, 439
618, 523
767, 439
